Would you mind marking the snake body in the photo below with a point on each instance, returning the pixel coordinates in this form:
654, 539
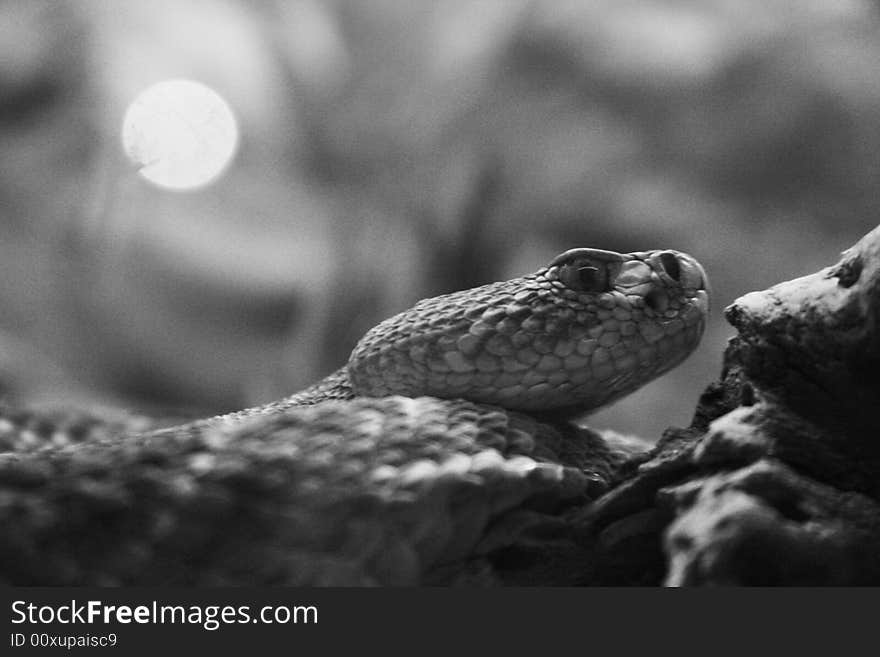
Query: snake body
443, 441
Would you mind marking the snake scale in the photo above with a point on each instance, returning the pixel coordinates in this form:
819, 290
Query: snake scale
446, 441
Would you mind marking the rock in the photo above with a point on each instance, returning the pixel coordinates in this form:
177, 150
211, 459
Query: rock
777, 480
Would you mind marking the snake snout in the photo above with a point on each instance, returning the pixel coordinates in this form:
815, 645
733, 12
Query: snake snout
683, 269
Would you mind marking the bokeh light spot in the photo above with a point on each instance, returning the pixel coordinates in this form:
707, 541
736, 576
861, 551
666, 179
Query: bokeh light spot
179, 134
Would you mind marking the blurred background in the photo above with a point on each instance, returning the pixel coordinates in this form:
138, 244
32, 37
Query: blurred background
396, 150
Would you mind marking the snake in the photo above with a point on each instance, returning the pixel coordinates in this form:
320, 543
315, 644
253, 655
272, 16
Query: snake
450, 437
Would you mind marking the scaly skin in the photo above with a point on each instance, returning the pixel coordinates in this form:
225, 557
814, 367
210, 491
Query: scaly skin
543, 342
341, 484
546, 341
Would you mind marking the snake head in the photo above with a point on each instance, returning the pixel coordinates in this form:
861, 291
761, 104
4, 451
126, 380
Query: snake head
588, 328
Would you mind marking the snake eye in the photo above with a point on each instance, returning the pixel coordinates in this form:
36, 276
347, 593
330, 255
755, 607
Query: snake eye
585, 276
671, 265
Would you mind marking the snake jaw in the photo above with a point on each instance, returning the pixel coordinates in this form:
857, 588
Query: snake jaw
582, 332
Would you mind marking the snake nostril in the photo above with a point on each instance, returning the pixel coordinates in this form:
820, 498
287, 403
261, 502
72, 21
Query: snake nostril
671, 265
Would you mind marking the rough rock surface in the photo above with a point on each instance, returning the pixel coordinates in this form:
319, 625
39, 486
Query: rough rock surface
777, 481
